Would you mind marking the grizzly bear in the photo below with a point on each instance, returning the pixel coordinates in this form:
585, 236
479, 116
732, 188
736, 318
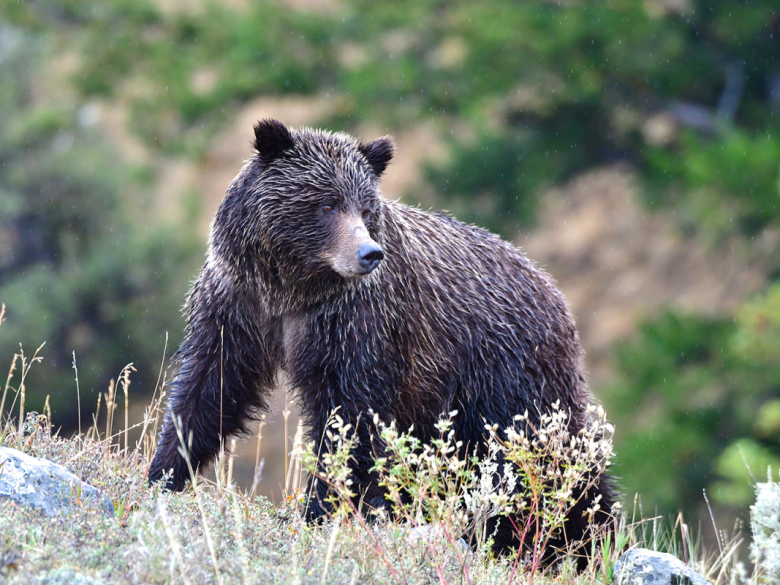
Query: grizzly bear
367, 305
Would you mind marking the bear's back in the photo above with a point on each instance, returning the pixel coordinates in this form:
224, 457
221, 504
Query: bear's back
479, 322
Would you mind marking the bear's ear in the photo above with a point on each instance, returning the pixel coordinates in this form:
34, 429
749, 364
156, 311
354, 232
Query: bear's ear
272, 138
378, 153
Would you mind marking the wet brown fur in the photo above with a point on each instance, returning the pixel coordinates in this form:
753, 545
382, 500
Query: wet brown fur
453, 318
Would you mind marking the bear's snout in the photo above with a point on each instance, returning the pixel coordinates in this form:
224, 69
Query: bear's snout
352, 252
369, 256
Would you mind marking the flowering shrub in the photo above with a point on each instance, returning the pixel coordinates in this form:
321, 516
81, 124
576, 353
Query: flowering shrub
765, 522
532, 476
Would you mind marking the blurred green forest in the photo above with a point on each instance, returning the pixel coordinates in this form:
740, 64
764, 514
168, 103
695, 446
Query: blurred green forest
686, 93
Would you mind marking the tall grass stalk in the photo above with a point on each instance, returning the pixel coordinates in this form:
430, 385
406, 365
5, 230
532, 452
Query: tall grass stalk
184, 450
333, 536
151, 412
47, 409
110, 407
78, 391
26, 365
292, 483
239, 533
286, 416
258, 465
231, 459
11, 371
124, 378
172, 540
95, 416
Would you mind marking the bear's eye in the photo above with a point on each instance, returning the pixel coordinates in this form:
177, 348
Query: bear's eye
329, 207
366, 213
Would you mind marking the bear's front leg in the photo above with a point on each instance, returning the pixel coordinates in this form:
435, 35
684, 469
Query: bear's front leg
369, 497
226, 368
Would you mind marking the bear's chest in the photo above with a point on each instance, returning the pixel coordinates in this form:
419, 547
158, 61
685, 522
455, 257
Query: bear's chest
294, 332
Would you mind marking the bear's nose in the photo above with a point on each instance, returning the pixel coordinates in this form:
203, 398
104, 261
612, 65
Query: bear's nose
369, 256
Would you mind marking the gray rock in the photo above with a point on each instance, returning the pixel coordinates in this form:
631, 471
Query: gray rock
42, 484
640, 566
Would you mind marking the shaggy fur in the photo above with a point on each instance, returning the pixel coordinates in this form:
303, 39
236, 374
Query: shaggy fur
453, 318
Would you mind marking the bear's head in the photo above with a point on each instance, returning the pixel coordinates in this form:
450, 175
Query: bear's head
307, 207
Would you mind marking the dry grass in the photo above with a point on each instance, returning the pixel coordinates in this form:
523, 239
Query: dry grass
213, 533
